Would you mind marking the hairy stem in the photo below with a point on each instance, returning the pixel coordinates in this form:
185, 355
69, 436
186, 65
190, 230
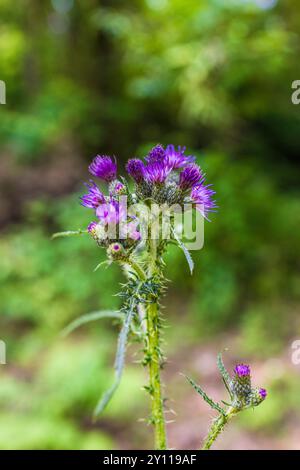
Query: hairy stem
157, 417
217, 427
154, 360
137, 268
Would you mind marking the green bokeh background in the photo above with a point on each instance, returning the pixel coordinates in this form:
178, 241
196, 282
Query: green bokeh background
89, 76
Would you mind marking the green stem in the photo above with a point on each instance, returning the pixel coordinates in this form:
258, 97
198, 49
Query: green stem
153, 355
137, 268
154, 359
158, 418
217, 427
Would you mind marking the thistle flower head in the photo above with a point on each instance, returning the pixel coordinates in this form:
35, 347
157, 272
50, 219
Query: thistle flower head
241, 383
136, 169
156, 154
104, 167
94, 197
202, 196
176, 158
190, 176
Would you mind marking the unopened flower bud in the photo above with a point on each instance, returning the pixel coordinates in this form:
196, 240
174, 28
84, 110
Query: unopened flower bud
116, 188
116, 252
256, 396
91, 228
98, 232
263, 393
241, 382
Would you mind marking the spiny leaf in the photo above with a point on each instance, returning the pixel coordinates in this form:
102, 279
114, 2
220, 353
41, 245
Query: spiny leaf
119, 365
107, 262
107, 396
185, 251
90, 317
224, 373
120, 358
222, 368
69, 233
208, 400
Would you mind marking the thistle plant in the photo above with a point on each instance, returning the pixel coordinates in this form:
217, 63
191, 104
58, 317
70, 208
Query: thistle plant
166, 182
135, 224
241, 397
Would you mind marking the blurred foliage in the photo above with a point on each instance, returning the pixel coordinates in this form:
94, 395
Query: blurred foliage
115, 77
203, 71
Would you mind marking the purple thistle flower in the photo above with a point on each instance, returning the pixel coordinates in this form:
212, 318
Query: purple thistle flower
136, 169
263, 393
176, 158
156, 172
242, 370
190, 176
202, 195
94, 197
91, 227
104, 168
111, 213
156, 154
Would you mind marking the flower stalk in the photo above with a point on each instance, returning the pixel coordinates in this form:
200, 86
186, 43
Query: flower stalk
154, 355
217, 427
155, 386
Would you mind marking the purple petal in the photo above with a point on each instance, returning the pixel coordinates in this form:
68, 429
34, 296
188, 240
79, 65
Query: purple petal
104, 168
94, 197
242, 370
